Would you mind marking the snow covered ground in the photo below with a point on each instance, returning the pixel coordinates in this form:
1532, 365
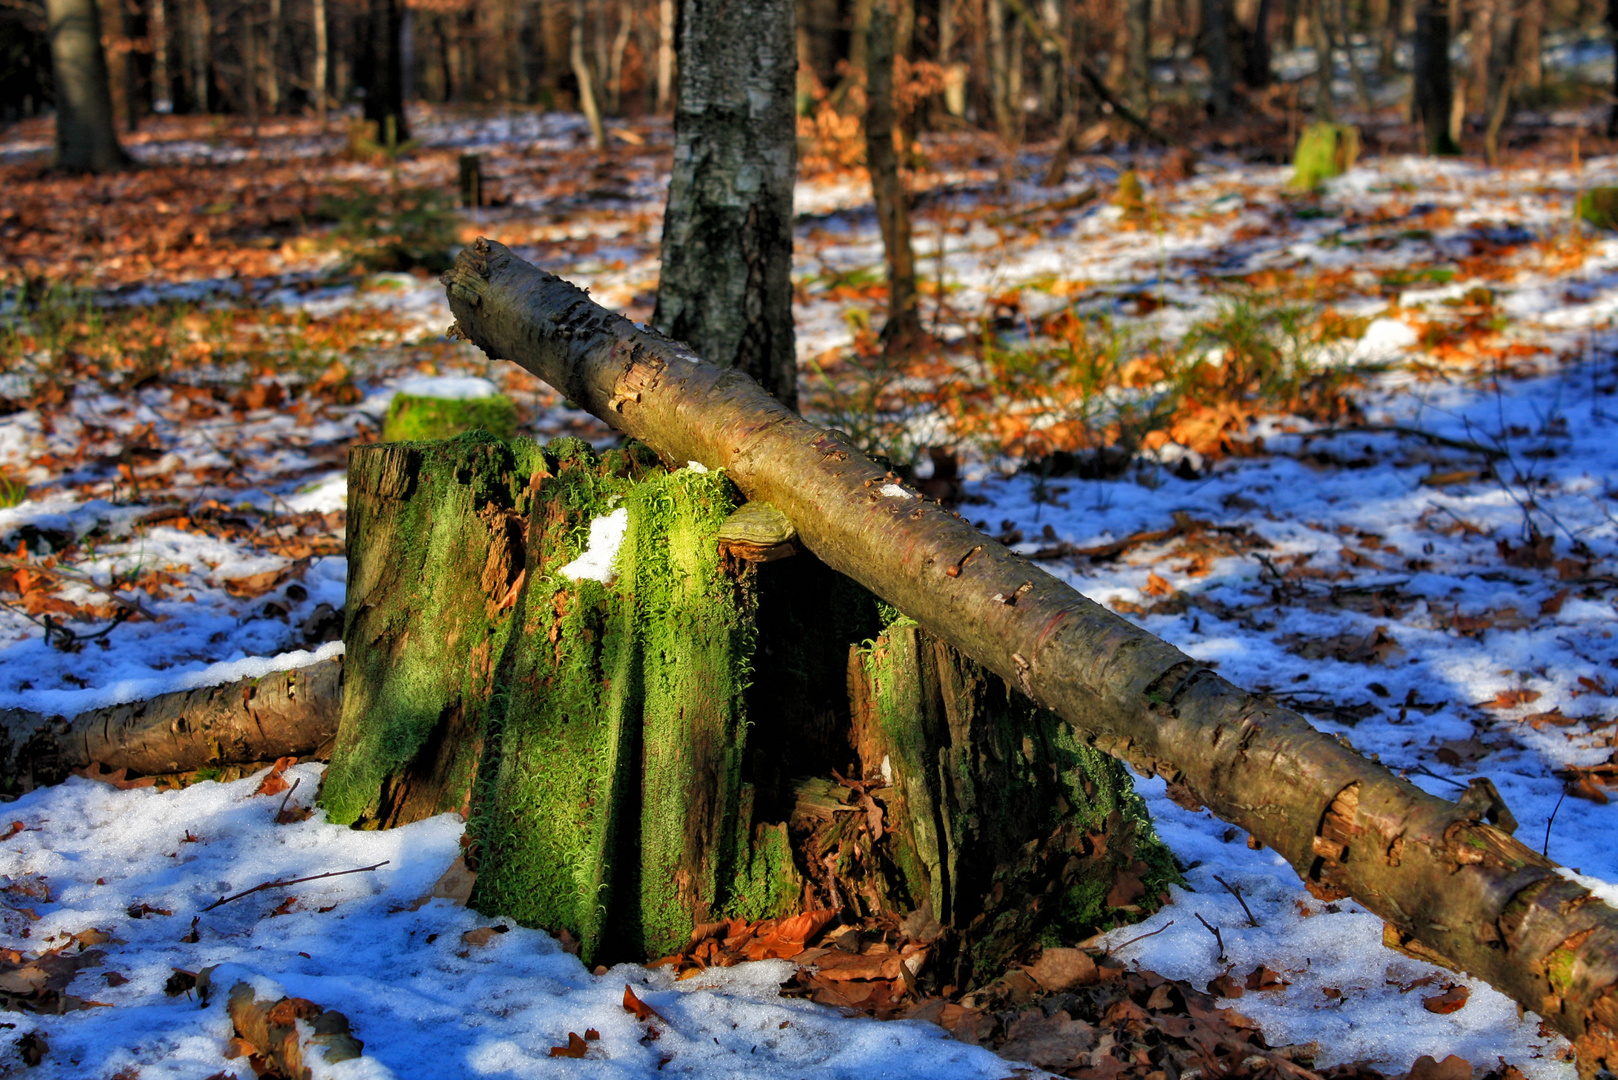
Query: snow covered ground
1446, 605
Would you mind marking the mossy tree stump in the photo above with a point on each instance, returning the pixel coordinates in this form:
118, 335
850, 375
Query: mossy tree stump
700, 737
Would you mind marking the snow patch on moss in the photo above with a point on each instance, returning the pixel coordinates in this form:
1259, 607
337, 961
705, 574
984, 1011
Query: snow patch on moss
606, 537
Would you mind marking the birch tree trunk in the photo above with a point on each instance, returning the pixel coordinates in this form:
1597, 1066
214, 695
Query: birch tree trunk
726, 285
1438, 872
586, 80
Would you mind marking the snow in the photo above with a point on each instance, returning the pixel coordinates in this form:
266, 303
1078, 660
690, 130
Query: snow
606, 537
449, 387
416, 993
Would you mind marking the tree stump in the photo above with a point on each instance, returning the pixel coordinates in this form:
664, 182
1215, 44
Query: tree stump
698, 737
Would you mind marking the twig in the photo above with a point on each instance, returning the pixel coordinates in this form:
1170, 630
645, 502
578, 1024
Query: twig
1143, 937
1545, 851
296, 780
62, 573
292, 881
1214, 930
1414, 433
1425, 771
1237, 893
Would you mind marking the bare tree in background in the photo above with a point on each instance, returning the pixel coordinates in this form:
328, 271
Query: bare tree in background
1432, 86
86, 133
903, 328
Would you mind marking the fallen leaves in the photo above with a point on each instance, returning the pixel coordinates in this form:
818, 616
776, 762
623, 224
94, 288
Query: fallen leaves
641, 1010
1451, 1000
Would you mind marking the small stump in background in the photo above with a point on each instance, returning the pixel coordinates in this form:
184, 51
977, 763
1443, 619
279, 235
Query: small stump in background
444, 407
1324, 150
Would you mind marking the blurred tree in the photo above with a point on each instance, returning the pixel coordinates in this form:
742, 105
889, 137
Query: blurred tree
86, 136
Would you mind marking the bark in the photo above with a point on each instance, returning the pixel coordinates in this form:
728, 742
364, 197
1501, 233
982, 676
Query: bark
200, 33
1002, 62
902, 331
1436, 871
86, 131
322, 53
162, 79
1217, 41
1138, 54
1433, 93
286, 713
582, 74
384, 96
726, 284
1256, 72
1325, 62
1612, 35
665, 55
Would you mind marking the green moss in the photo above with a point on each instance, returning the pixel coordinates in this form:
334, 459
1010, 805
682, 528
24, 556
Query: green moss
696, 639
1324, 150
411, 418
419, 649
1599, 206
998, 801
766, 883
556, 786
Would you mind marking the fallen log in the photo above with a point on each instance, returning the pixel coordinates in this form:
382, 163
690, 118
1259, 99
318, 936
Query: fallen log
292, 713
1443, 876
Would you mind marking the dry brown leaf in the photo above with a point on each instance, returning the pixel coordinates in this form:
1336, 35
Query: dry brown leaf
1447, 1002
641, 1010
1060, 970
275, 783
1510, 699
1262, 978
1451, 1068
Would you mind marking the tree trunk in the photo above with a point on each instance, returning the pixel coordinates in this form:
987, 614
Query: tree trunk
1325, 109
726, 285
322, 53
162, 77
665, 55
1138, 54
244, 723
581, 74
1217, 41
384, 96
86, 132
640, 757
1257, 73
1433, 95
1436, 871
902, 331
200, 33
1612, 37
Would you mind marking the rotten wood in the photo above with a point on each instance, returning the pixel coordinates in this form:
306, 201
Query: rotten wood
292, 713
1436, 871
290, 1035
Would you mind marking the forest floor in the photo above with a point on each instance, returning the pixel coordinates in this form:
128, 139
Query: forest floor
1368, 460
